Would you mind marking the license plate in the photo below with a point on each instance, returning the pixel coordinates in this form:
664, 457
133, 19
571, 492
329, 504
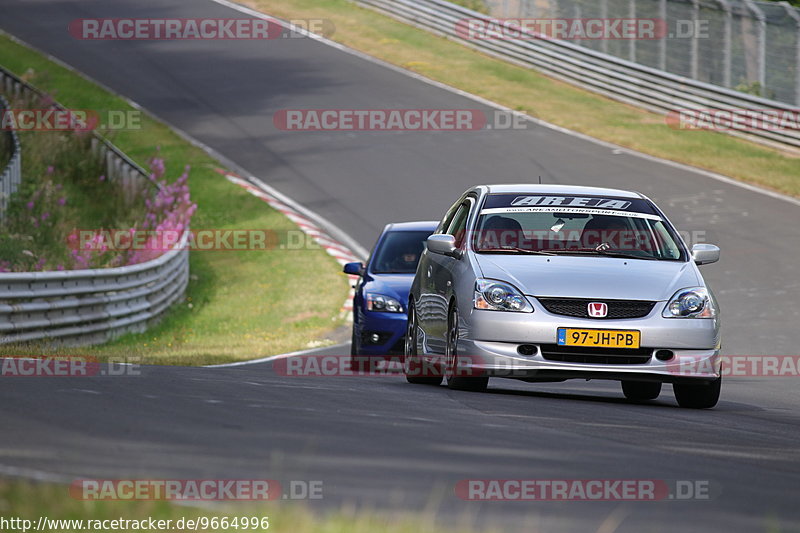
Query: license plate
599, 338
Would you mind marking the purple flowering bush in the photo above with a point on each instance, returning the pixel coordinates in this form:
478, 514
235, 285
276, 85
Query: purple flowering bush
65, 191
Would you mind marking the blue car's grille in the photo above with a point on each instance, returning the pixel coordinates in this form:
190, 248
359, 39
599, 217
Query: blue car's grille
579, 307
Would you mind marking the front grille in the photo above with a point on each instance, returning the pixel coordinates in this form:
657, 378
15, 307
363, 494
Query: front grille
579, 307
600, 356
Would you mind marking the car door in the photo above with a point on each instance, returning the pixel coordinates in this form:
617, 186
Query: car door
440, 271
427, 305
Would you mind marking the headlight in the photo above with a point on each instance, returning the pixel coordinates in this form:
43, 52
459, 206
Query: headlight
695, 302
385, 304
499, 296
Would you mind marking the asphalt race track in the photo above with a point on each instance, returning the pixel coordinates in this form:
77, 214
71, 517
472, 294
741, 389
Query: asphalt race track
377, 441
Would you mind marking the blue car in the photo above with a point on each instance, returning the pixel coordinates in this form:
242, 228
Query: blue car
379, 305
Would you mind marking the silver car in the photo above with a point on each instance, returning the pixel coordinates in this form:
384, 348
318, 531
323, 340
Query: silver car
552, 282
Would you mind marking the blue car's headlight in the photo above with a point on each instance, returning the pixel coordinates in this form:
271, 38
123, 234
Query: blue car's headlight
385, 304
694, 302
498, 296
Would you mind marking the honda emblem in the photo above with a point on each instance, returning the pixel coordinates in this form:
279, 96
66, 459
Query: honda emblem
598, 310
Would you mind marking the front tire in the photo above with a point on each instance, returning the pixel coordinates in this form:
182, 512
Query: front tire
356, 361
700, 396
412, 364
639, 391
454, 381
353, 346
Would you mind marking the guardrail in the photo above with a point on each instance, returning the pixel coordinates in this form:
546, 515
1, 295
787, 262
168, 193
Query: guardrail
78, 307
610, 76
74, 307
11, 175
118, 165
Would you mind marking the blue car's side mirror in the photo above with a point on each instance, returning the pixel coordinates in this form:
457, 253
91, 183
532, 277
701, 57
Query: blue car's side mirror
355, 269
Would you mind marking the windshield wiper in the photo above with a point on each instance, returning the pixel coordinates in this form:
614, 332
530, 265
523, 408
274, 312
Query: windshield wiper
596, 251
514, 249
629, 256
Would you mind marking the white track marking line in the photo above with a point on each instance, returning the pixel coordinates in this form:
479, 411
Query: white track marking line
279, 356
33, 474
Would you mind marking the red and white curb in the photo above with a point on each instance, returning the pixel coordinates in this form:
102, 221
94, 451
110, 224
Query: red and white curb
336, 249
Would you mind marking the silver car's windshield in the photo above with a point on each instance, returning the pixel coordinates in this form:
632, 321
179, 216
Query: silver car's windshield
590, 226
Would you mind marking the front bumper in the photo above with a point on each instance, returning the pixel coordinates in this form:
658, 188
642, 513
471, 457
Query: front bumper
520, 345
390, 329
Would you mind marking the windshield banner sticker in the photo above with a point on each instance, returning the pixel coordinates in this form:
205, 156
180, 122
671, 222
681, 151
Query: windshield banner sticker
574, 210
571, 201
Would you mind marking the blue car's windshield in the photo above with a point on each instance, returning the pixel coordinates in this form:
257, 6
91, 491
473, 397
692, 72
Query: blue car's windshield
399, 252
576, 226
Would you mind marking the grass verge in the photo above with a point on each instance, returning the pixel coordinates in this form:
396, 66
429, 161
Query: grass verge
240, 304
534, 93
29, 501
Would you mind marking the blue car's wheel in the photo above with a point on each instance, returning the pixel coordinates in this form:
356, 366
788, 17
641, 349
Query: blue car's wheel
358, 362
353, 345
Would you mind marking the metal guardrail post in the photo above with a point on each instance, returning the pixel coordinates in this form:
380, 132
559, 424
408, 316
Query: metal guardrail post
792, 12
662, 45
632, 42
726, 42
762, 43
604, 15
11, 175
694, 53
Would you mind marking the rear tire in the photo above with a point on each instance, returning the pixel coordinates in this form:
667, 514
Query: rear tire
701, 396
639, 391
456, 382
412, 364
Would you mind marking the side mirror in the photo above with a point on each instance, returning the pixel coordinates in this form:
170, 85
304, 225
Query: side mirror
704, 254
354, 269
443, 244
